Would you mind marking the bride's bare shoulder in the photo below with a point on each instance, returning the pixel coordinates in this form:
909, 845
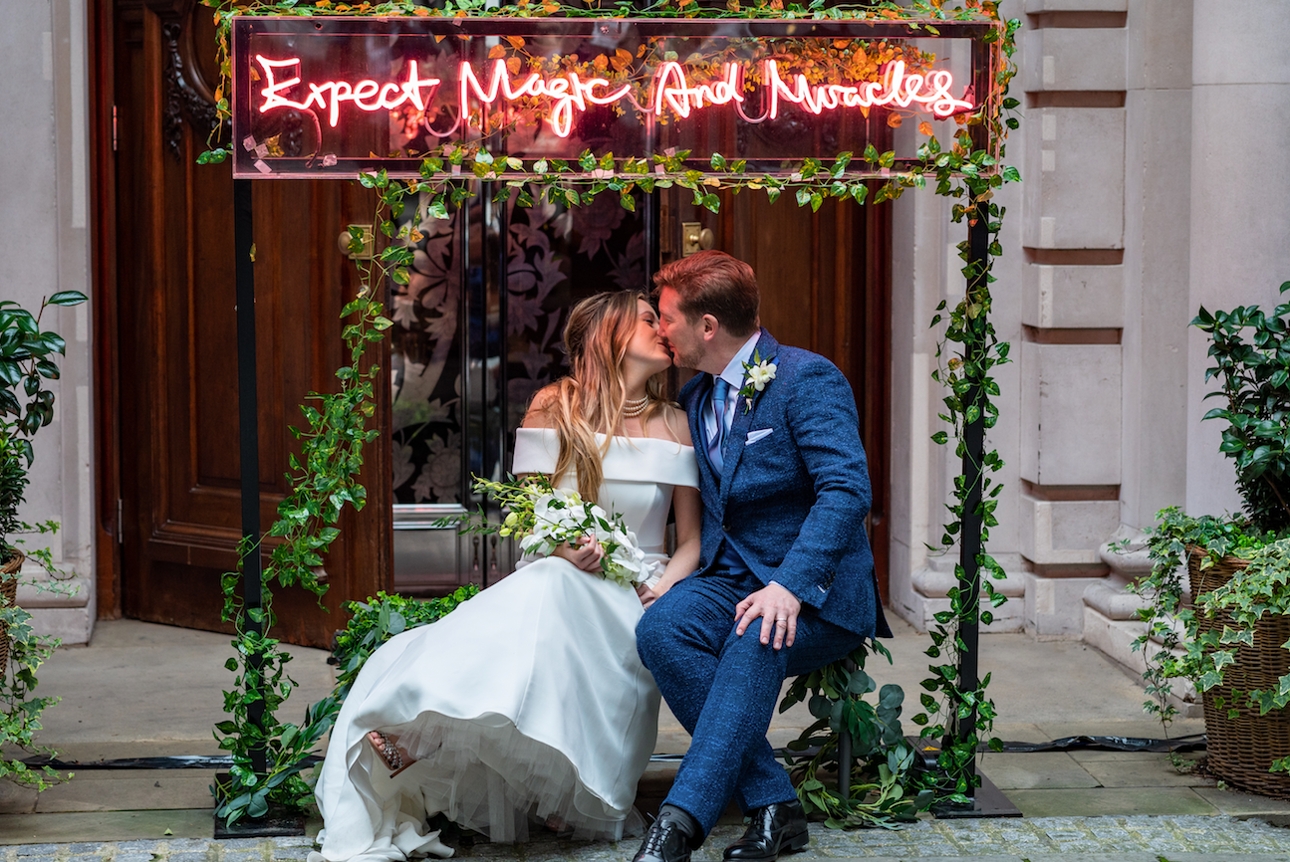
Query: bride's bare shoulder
539, 412
671, 424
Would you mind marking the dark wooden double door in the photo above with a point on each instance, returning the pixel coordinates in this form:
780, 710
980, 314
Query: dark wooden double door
477, 332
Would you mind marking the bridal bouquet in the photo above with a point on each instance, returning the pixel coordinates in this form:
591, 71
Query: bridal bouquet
544, 517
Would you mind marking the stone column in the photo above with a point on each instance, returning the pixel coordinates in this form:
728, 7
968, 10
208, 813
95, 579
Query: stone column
1240, 199
1074, 78
44, 219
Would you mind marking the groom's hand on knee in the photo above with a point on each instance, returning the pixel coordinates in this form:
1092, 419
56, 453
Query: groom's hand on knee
778, 609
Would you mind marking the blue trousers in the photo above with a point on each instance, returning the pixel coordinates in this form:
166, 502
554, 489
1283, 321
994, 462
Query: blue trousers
724, 687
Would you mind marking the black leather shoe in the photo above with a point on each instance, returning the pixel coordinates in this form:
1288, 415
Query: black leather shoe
669, 839
772, 830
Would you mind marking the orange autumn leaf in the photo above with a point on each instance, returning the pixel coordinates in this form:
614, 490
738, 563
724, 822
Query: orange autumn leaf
841, 43
517, 42
894, 120
777, 4
925, 128
513, 65
322, 4
421, 12
601, 62
621, 60
496, 52
732, 5
640, 52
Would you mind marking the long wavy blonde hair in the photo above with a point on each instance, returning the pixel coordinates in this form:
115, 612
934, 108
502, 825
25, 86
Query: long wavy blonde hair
591, 399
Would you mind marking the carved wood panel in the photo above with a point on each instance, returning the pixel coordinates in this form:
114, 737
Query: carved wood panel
176, 334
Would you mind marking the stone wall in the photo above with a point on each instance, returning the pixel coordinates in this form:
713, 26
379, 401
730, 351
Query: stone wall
1149, 188
44, 183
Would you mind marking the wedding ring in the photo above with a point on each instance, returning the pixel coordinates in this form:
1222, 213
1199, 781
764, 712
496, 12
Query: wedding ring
780, 621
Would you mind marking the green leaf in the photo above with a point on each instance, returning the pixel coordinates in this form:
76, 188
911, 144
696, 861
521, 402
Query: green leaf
68, 297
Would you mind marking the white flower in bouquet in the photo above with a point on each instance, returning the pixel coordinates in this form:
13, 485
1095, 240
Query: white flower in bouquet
544, 517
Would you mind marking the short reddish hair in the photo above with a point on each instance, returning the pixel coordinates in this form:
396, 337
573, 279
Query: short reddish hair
713, 282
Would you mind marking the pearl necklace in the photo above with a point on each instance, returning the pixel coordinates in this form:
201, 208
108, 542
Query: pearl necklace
632, 409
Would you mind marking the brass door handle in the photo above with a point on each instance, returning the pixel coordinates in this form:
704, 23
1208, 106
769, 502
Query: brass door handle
695, 238
365, 232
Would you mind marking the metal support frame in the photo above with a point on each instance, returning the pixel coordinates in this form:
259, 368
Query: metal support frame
988, 800
248, 416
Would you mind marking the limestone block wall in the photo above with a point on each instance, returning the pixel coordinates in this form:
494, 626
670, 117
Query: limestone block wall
44, 144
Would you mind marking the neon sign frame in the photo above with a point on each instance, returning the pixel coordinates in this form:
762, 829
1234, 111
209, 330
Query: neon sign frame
267, 81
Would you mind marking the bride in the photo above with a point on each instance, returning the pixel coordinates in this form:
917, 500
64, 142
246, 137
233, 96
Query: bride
528, 702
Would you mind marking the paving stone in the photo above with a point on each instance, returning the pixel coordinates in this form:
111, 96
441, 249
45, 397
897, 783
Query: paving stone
1092, 802
1149, 772
186, 845
1037, 770
252, 854
134, 857
39, 850
139, 846
294, 840
189, 856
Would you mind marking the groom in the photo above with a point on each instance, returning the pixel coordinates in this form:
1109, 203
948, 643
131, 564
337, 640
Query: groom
785, 582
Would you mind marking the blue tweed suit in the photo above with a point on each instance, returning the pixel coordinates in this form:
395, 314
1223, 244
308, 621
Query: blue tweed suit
792, 505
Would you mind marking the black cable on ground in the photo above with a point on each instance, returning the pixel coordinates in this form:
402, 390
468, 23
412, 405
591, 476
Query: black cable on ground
1194, 742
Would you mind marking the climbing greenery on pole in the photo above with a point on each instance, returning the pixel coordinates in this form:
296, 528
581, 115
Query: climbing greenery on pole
965, 168
324, 480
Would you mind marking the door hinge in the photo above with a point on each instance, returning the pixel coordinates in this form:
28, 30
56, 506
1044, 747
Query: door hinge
114, 130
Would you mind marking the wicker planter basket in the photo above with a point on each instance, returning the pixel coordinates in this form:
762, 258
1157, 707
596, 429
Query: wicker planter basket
1241, 749
9, 592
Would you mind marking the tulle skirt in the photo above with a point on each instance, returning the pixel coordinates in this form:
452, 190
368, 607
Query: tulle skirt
525, 704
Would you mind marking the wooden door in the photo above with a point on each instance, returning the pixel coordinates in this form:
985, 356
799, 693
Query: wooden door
825, 286
173, 372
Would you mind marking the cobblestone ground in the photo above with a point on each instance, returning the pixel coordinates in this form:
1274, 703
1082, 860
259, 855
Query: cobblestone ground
1122, 839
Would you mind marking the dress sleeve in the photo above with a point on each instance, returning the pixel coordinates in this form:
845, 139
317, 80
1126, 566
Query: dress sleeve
536, 451
686, 469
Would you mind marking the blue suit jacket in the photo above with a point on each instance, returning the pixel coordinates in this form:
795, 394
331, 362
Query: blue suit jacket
793, 503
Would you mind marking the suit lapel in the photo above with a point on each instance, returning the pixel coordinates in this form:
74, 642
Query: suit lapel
766, 349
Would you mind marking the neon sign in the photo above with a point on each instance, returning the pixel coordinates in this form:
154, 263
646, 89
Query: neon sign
318, 96
367, 95
570, 94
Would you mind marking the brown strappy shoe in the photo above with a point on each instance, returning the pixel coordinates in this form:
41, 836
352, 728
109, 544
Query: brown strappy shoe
389, 752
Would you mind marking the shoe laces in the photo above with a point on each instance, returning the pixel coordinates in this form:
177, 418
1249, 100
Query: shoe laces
655, 839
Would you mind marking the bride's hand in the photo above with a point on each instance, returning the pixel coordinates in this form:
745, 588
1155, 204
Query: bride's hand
646, 595
586, 555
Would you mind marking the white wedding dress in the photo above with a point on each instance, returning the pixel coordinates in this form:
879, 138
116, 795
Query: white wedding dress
525, 703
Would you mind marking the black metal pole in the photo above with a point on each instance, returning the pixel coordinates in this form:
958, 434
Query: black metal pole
248, 413
973, 479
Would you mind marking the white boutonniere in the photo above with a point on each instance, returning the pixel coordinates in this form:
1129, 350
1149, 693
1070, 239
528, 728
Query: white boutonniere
757, 374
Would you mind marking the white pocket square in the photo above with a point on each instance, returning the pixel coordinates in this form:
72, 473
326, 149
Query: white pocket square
754, 436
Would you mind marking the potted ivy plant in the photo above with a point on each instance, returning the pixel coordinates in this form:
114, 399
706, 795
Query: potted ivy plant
1229, 640
27, 361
